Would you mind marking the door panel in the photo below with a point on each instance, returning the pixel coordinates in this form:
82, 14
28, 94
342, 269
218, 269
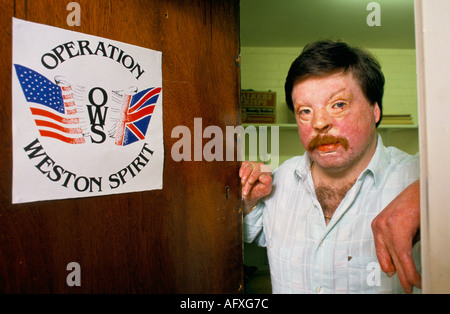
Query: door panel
185, 238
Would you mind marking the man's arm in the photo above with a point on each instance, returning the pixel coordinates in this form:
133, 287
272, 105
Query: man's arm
396, 229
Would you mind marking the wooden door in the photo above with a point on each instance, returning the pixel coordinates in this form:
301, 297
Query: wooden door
185, 238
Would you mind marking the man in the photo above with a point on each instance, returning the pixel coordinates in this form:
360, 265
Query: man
315, 215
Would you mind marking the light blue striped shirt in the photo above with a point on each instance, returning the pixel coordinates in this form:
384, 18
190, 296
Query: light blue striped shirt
308, 256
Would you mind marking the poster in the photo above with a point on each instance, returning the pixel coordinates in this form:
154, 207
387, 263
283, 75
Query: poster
86, 115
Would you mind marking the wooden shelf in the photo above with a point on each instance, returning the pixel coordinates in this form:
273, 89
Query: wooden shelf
293, 126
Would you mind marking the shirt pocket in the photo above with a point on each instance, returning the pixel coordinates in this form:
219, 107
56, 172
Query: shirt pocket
365, 276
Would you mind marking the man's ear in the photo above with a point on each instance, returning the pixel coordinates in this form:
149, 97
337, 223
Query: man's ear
376, 112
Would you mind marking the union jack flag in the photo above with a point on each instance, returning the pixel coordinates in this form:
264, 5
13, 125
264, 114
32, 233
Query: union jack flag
135, 116
51, 105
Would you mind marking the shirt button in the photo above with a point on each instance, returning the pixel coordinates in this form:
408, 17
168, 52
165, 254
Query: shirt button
319, 289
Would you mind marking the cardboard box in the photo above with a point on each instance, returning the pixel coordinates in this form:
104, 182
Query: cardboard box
258, 107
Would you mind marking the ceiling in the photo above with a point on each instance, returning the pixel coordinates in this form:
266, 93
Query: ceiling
294, 23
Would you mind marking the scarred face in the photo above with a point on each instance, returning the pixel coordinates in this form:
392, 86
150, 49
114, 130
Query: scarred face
336, 122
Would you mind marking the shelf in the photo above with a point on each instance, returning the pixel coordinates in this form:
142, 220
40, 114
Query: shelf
280, 125
398, 126
294, 126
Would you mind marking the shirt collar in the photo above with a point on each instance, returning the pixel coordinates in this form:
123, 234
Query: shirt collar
379, 162
376, 166
303, 167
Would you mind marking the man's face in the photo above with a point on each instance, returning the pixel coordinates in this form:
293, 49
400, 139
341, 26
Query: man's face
335, 121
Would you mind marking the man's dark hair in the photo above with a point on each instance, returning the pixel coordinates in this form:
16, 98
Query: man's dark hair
328, 57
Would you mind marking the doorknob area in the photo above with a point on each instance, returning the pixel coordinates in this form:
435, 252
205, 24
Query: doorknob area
227, 192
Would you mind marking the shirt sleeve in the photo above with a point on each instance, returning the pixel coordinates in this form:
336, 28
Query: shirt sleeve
253, 226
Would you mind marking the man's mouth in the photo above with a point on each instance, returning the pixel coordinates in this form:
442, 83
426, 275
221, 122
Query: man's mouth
328, 147
327, 143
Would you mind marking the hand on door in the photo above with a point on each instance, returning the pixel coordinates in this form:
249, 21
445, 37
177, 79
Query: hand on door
256, 183
396, 229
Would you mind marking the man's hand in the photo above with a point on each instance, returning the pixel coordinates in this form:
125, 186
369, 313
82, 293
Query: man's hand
256, 183
396, 230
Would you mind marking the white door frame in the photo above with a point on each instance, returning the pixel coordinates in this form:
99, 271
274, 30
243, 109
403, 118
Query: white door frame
432, 27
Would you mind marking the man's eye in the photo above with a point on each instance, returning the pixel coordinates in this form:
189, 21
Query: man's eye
304, 111
339, 105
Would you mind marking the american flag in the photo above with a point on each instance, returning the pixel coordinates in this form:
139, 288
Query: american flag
51, 105
135, 116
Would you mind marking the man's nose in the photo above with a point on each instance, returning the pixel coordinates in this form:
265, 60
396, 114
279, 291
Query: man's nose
322, 120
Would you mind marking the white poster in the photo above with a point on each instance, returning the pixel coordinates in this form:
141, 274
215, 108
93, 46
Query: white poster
87, 115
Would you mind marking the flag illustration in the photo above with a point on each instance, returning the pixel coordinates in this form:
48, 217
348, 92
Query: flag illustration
52, 106
135, 116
